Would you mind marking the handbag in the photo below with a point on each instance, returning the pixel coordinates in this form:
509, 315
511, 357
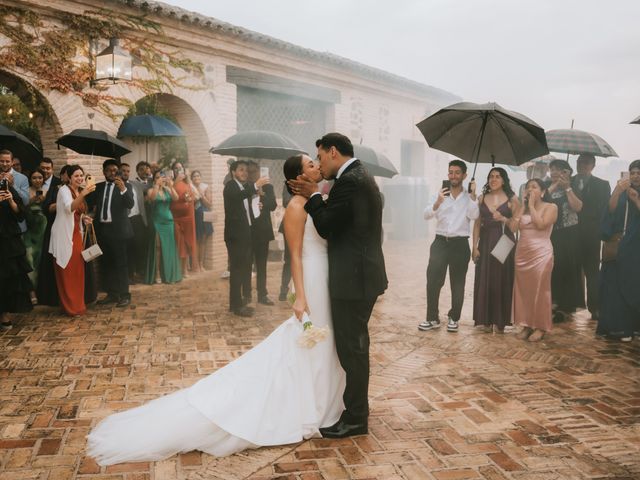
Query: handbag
93, 251
208, 216
610, 247
503, 248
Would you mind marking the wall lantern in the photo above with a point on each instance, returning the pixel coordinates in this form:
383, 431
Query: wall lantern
113, 64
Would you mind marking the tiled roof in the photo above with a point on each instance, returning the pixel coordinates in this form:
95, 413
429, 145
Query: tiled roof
203, 21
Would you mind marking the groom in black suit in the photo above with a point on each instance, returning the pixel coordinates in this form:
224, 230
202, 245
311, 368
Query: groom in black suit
113, 199
351, 221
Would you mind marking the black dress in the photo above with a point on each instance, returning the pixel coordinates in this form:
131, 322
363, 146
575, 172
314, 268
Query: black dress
14, 280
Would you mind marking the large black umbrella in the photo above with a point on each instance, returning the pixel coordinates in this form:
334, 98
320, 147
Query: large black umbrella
93, 142
376, 163
147, 126
258, 144
21, 147
484, 133
636, 121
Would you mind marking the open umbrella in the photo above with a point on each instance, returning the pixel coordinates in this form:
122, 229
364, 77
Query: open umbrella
21, 147
636, 121
148, 126
93, 142
578, 142
484, 133
376, 163
258, 144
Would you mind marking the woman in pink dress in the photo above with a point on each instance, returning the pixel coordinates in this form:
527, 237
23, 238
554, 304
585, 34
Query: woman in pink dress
533, 262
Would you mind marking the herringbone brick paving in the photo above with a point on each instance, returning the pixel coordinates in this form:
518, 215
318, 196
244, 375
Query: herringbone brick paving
445, 406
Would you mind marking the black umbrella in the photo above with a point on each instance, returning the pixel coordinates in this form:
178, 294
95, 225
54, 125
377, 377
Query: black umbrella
636, 121
93, 142
484, 133
21, 147
258, 144
376, 163
148, 126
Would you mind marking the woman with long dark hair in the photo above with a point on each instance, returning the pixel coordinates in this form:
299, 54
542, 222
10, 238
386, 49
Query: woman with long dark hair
493, 286
619, 285
533, 262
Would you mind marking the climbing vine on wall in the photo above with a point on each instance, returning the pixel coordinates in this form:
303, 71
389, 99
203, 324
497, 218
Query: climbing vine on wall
56, 56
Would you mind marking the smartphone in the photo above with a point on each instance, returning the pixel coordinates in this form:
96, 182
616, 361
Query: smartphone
4, 185
89, 180
624, 175
264, 171
446, 184
38, 193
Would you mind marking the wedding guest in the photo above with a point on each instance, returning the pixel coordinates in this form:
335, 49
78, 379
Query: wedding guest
594, 193
138, 243
46, 289
111, 202
50, 180
144, 175
454, 209
163, 263
204, 225
262, 204
14, 281
237, 236
619, 285
533, 262
16, 180
66, 243
566, 278
36, 226
493, 287
184, 219
17, 165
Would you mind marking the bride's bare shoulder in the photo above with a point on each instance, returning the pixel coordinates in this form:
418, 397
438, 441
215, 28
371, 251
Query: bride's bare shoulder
296, 203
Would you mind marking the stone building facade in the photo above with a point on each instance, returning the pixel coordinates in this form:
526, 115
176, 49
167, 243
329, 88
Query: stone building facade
251, 81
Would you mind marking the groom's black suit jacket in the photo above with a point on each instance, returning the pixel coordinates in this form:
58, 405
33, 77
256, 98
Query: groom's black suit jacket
351, 221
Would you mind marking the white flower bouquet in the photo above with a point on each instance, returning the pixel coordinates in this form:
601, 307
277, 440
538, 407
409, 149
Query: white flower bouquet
310, 333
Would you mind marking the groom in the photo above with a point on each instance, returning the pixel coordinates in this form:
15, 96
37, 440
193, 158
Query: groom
351, 221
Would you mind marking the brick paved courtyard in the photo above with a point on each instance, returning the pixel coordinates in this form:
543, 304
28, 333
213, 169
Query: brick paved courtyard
444, 406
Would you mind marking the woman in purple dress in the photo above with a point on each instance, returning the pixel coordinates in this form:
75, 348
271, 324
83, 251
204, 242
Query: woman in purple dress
493, 287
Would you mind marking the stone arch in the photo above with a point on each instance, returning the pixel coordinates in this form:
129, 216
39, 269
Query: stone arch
198, 145
49, 128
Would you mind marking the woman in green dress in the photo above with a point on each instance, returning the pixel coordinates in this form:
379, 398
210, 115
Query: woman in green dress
163, 264
36, 225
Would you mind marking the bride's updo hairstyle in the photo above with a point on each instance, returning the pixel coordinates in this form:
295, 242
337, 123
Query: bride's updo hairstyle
292, 168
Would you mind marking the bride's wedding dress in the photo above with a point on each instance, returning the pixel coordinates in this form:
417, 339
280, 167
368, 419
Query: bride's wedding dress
274, 394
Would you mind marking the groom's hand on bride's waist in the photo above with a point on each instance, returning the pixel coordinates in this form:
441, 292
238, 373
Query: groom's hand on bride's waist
302, 185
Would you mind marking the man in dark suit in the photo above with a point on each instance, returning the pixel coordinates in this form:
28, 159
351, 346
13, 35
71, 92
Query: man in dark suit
261, 231
238, 218
351, 221
138, 244
595, 193
112, 200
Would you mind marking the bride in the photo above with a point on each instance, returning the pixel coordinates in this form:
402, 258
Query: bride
276, 393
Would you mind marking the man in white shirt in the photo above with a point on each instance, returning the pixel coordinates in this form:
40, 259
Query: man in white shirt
454, 210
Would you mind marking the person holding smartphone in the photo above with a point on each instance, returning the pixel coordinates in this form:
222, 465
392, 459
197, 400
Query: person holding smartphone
565, 237
36, 226
453, 209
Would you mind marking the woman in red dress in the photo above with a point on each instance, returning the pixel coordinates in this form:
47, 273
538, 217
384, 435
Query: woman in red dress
66, 241
184, 219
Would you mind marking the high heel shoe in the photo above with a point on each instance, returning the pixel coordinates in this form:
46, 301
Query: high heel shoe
536, 336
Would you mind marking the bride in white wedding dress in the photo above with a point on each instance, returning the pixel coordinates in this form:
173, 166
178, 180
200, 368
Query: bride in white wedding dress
276, 393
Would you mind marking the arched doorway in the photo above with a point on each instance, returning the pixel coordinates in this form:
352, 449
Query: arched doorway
43, 128
192, 150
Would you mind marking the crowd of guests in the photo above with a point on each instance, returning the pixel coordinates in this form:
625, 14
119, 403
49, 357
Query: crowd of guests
150, 229
537, 255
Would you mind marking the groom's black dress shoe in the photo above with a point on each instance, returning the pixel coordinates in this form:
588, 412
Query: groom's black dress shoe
341, 429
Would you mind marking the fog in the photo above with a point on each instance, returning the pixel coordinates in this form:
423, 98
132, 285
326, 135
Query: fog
552, 60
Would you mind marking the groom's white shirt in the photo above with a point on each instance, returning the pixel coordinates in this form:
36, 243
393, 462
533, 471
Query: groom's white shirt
344, 166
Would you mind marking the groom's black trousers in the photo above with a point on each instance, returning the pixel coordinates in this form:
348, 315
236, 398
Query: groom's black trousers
350, 327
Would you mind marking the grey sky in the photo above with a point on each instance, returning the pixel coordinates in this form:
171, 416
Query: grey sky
552, 60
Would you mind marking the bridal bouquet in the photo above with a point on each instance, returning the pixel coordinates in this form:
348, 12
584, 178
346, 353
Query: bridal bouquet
310, 333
